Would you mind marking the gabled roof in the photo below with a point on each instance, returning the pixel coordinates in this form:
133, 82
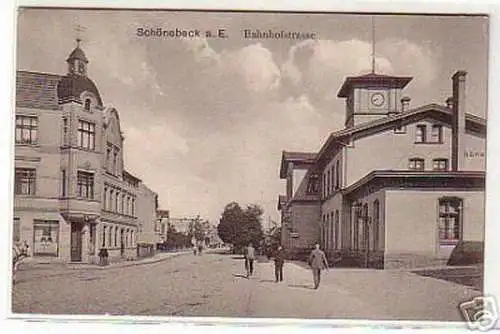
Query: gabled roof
372, 79
306, 158
302, 194
433, 110
37, 90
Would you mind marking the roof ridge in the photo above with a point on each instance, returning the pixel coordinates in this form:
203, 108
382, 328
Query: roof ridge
39, 73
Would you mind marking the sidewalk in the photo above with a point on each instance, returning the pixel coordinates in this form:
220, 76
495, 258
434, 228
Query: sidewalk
59, 266
346, 293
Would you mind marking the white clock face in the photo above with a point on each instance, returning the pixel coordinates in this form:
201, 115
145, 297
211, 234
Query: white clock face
377, 99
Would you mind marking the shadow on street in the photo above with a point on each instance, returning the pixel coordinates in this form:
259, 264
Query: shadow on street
240, 276
302, 286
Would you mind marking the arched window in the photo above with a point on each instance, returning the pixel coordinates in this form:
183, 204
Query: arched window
103, 244
365, 232
337, 230
110, 236
376, 224
450, 220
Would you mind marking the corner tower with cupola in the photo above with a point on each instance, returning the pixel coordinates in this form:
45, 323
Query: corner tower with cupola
80, 158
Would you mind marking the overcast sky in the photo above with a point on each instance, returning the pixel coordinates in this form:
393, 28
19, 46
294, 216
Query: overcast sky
205, 122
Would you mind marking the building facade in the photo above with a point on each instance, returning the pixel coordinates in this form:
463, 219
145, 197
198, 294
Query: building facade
72, 194
162, 222
398, 186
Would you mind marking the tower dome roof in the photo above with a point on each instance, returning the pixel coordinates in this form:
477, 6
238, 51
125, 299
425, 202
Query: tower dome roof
71, 86
77, 53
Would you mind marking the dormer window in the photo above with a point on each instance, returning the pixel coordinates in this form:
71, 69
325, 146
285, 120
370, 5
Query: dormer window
81, 67
87, 104
313, 185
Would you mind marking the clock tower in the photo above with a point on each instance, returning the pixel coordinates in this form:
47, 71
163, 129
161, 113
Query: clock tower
371, 96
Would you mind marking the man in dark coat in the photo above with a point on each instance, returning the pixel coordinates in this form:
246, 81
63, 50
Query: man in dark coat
279, 261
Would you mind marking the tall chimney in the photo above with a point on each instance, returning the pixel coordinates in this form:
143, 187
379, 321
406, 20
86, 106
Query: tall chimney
458, 121
405, 103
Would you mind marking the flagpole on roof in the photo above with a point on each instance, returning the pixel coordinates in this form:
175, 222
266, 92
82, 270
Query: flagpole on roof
373, 44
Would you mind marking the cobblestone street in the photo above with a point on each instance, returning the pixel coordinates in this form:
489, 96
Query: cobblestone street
214, 285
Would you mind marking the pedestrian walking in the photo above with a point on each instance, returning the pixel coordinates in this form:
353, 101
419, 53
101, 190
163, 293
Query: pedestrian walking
200, 247
195, 249
249, 259
279, 261
318, 262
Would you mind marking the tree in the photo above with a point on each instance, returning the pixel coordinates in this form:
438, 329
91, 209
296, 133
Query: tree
176, 239
239, 226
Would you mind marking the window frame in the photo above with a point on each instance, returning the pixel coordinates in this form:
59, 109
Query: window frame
22, 127
85, 180
416, 160
87, 104
423, 132
439, 139
16, 229
438, 160
28, 179
50, 226
457, 230
86, 135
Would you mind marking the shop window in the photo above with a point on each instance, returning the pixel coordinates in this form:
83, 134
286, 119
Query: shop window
46, 237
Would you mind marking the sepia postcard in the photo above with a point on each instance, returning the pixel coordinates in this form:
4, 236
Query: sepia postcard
250, 165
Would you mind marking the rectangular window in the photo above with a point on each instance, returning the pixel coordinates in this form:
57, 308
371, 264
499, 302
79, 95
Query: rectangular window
116, 236
337, 175
123, 204
85, 185
63, 183
449, 220
104, 198
16, 230
324, 185
437, 133
440, 164
420, 134
115, 155
416, 164
92, 234
108, 158
26, 129
65, 131
86, 135
117, 197
46, 237
110, 236
328, 183
332, 176
24, 183
110, 206
133, 206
